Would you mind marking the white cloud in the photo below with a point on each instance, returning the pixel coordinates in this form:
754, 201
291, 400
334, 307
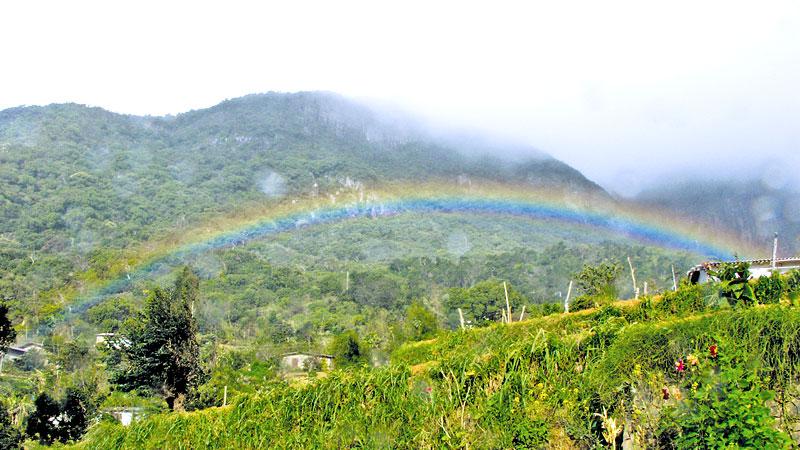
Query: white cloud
643, 84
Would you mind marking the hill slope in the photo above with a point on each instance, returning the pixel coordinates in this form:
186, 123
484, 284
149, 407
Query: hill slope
563, 381
78, 181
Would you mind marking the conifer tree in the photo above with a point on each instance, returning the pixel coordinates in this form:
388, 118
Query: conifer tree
7, 332
160, 352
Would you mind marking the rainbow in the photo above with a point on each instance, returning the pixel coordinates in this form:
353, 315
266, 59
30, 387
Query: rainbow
652, 228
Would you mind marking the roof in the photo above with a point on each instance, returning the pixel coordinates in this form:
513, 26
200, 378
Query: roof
318, 355
24, 348
795, 259
753, 262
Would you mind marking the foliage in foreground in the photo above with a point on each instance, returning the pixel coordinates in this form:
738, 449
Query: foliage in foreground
571, 378
161, 352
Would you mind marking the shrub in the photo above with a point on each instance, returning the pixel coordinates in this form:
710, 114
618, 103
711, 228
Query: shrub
348, 350
10, 436
793, 282
734, 283
530, 434
725, 411
769, 289
687, 299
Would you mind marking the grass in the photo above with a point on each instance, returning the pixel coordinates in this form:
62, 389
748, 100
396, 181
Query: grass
546, 381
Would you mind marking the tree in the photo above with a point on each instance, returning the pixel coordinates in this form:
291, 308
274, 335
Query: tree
64, 422
598, 281
74, 417
43, 422
10, 436
73, 356
7, 333
162, 353
484, 302
348, 349
769, 289
420, 322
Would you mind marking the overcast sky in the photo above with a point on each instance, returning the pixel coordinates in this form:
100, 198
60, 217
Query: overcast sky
624, 91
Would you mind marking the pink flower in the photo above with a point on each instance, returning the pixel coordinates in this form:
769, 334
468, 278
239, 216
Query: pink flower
428, 389
680, 366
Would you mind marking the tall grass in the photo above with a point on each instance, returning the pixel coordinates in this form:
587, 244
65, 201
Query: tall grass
498, 387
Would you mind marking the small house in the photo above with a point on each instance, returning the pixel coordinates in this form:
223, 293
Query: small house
299, 361
14, 353
111, 340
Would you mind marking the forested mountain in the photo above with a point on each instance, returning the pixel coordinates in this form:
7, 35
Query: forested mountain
91, 197
78, 181
751, 208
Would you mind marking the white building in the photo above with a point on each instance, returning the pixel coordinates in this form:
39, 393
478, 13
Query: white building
758, 268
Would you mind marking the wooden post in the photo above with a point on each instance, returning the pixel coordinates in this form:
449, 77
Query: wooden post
461, 318
522, 314
775, 251
674, 279
508, 305
566, 300
633, 277
225, 396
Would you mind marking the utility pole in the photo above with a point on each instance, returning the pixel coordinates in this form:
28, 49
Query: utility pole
633, 277
775, 252
674, 279
508, 305
566, 300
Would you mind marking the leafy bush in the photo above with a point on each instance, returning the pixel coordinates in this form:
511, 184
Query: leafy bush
734, 283
793, 282
530, 434
582, 302
725, 411
599, 280
769, 289
348, 350
10, 436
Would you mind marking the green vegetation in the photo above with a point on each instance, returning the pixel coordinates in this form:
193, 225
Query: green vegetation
89, 196
10, 436
7, 333
160, 351
662, 369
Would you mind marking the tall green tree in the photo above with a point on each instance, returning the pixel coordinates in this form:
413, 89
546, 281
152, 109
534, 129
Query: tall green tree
10, 436
160, 352
42, 424
484, 302
348, 350
599, 280
7, 333
420, 322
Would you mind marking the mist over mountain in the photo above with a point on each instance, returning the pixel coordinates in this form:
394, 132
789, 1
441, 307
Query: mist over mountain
753, 208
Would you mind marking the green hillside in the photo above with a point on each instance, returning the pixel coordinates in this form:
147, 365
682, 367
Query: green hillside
79, 183
678, 371
96, 208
